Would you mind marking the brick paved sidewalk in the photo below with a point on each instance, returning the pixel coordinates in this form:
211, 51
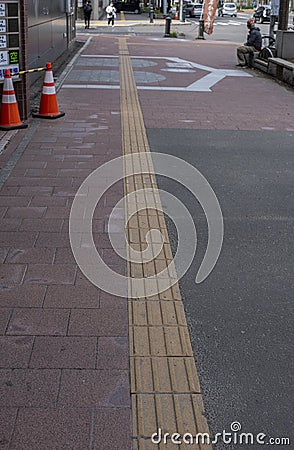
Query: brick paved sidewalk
63, 345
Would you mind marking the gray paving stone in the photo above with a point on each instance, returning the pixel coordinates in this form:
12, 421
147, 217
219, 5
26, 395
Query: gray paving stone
111, 76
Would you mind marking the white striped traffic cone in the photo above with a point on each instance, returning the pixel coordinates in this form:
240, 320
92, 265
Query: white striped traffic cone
48, 106
10, 118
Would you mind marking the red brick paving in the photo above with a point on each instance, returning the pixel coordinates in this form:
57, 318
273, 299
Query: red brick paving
110, 429
41, 428
29, 387
64, 343
68, 350
22, 296
5, 314
7, 420
9, 224
64, 353
75, 297
15, 351
30, 255
94, 388
50, 274
38, 321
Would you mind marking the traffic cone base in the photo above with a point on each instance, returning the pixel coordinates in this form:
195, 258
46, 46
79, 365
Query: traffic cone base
13, 127
49, 116
9, 118
48, 106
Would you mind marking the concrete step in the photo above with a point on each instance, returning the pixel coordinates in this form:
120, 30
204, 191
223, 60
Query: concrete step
261, 64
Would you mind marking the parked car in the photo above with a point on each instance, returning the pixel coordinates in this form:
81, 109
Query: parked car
228, 9
188, 6
128, 6
262, 14
196, 11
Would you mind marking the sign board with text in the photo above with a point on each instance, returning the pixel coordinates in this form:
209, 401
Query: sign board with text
9, 37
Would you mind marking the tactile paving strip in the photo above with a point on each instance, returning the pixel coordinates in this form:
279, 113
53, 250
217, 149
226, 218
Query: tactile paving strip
165, 388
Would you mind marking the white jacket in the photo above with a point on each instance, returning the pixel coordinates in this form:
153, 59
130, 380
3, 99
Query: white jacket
110, 10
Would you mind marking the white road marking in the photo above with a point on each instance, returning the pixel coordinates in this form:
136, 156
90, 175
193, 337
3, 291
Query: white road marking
178, 70
204, 84
231, 23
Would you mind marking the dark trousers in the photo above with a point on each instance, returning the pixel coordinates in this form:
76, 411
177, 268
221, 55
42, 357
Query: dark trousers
111, 20
87, 20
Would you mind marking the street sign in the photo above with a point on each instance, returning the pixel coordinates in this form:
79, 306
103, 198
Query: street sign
3, 41
4, 59
9, 37
2, 26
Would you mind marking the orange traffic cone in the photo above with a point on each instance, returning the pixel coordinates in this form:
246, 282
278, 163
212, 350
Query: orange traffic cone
9, 119
48, 106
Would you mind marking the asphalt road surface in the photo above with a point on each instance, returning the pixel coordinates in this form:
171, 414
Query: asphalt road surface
239, 317
226, 28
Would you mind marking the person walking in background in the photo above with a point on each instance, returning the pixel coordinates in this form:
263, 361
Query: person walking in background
111, 14
87, 13
253, 44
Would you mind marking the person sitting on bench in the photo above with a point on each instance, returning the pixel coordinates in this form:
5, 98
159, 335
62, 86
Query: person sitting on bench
253, 44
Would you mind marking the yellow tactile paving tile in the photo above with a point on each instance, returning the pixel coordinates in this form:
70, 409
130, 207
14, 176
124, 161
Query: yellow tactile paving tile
165, 388
159, 341
169, 375
160, 313
146, 444
172, 413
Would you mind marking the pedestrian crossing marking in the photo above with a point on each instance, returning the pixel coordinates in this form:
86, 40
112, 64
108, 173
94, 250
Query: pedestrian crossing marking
230, 22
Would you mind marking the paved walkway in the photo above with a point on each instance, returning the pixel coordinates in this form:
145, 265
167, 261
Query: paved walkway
82, 368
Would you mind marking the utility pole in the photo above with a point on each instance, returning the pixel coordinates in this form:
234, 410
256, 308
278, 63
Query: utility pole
181, 10
283, 15
275, 7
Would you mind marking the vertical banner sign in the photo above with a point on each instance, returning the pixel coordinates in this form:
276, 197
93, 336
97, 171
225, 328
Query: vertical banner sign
275, 6
209, 11
9, 37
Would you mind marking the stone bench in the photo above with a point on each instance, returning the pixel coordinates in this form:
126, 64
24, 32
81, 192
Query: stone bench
281, 69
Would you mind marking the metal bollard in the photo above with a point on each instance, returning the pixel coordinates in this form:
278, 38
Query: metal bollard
183, 18
167, 26
151, 14
201, 29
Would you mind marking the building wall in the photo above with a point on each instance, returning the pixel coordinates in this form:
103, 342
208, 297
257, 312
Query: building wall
47, 30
